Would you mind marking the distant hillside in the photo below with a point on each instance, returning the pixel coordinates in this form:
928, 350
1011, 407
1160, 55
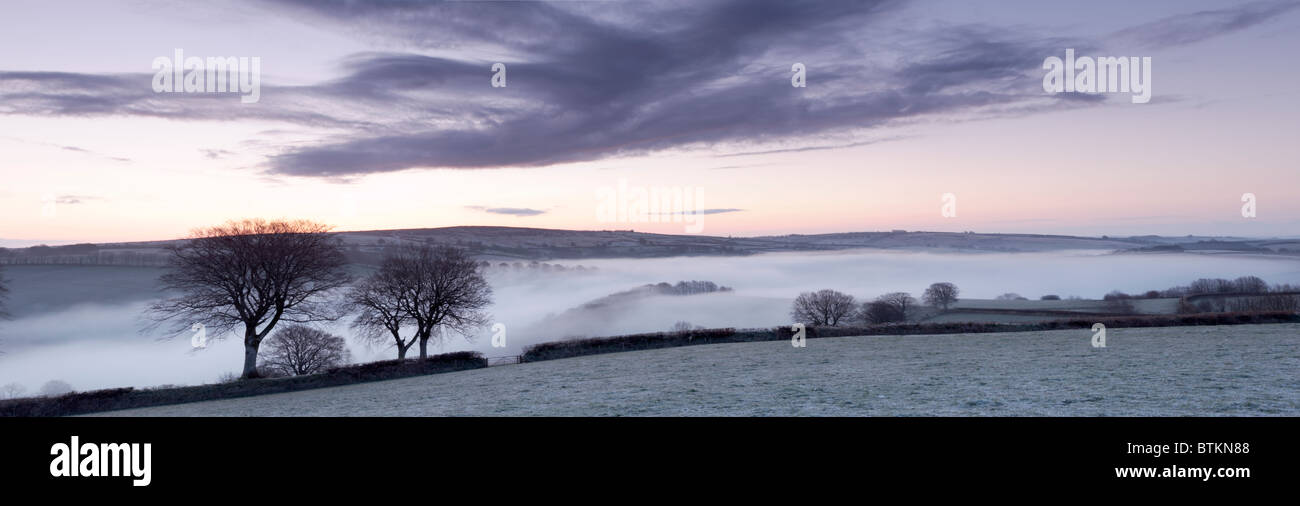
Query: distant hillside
1220, 246
510, 244
969, 241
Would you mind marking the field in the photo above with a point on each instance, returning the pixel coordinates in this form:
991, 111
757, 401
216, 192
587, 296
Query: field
1245, 370
1029, 311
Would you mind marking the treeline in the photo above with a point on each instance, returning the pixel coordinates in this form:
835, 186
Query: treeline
681, 288
532, 266
1244, 285
1220, 295
831, 308
81, 254
692, 287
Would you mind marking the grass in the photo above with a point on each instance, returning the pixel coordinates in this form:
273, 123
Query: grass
128, 398
1237, 370
580, 347
76, 403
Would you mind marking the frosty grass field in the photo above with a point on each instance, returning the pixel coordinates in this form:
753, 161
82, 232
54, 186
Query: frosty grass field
1245, 370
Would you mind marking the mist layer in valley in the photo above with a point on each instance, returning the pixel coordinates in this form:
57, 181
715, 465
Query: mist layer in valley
82, 324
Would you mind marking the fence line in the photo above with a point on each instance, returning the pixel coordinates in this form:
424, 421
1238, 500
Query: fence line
504, 360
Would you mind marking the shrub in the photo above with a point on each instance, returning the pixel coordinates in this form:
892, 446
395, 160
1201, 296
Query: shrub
572, 348
296, 350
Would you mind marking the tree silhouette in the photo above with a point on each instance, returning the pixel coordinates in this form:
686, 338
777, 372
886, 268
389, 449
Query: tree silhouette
251, 275
296, 350
824, 307
432, 289
940, 295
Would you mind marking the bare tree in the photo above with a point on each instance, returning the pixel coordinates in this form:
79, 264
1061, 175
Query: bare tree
881, 312
451, 295
1250, 284
296, 350
252, 275
1207, 285
436, 289
824, 307
902, 301
941, 295
379, 302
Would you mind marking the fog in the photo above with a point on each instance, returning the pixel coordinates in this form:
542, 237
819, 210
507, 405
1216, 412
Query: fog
68, 326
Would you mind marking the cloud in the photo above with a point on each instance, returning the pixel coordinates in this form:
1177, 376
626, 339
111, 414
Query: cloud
1198, 26
708, 211
215, 154
74, 199
714, 73
594, 81
511, 211
81, 94
84, 151
810, 148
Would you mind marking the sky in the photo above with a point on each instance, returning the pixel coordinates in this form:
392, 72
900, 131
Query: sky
385, 115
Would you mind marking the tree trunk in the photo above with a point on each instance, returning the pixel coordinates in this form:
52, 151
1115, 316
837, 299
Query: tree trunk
250, 360
424, 348
401, 351
251, 343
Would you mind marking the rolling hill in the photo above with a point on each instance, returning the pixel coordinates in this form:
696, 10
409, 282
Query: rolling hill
528, 244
